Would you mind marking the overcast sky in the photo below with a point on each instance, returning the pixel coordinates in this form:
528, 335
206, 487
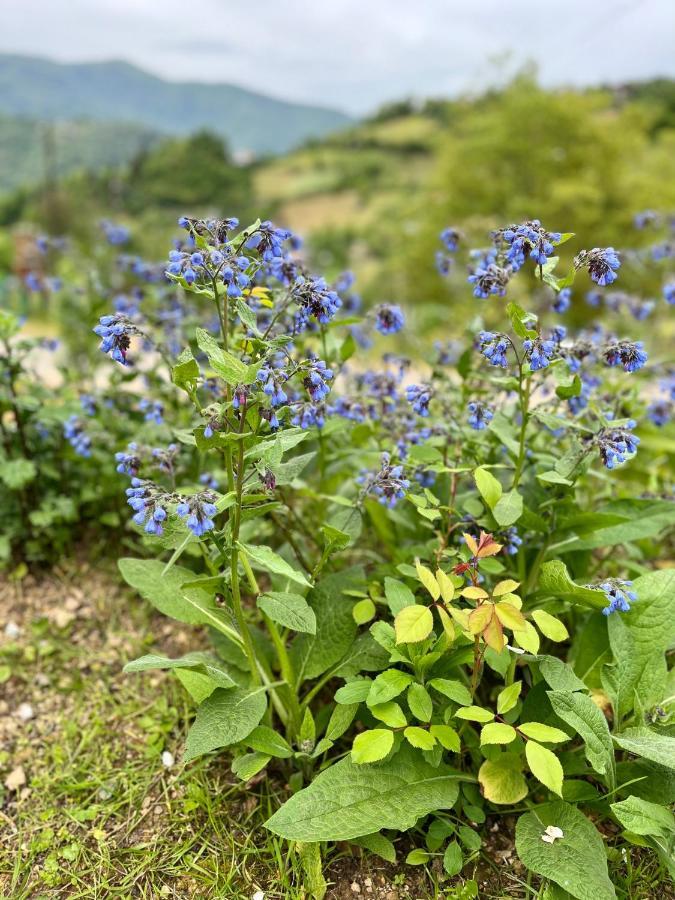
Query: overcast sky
353, 54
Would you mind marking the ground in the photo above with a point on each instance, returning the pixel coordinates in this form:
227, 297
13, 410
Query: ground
96, 804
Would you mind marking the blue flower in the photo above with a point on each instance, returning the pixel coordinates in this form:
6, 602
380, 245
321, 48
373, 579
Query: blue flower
528, 239
75, 434
594, 299
419, 396
148, 503
618, 598
388, 485
115, 234
153, 410
491, 279
562, 301
388, 318
198, 510
115, 333
601, 264
480, 415
128, 463
511, 540
308, 415
450, 238
494, 348
539, 353
616, 444
659, 412
88, 404
628, 354
316, 298
669, 292
646, 217
268, 240
316, 380
271, 380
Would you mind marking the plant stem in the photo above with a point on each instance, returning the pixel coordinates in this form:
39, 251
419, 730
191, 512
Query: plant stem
524, 413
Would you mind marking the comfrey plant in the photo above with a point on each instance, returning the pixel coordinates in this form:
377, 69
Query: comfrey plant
407, 567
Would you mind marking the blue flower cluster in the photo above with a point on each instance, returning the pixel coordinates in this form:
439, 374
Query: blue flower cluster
316, 298
511, 540
628, 354
153, 410
660, 412
490, 279
617, 444
669, 292
419, 396
494, 348
272, 379
115, 235
148, 502
618, 598
88, 404
389, 319
388, 485
562, 301
115, 332
208, 266
316, 380
480, 415
539, 352
198, 511
268, 241
602, 264
129, 462
74, 432
528, 239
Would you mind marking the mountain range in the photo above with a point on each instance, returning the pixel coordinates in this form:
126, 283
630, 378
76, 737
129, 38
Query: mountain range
35, 90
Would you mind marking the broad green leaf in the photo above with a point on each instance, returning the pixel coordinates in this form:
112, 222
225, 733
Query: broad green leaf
365, 654
390, 713
378, 844
497, 733
413, 624
488, 487
211, 666
353, 691
555, 580
225, 718
452, 859
648, 744
454, 690
165, 591
290, 610
420, 702
398, 595
419, 738
266, 740
346, 800
474, 714
198, 684
446, 736
546, 733
545, 766
265, 559
553, 477
527, 638
549, 626
388, 685
558, 675
581, 714
249, 764
508, 698
508, 509
426, 576
340, 720
502, 779
363, 611
417, 857
642, 817
577, 861
641, 519
231, 370
372, 746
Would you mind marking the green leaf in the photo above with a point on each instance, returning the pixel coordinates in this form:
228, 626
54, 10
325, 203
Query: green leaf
489, 488
249, 764
290, 610
388, 685
545, 733
378, 844
346, 800
549, 626
559, 675
353, 691
372, 746
502, 779
417, 857
545, 766
454, 690
314, 881
340, 720
266, 740
267, 560
641, 519
555, 580
398, 595
231, 370
419, 738
390, 713
581, 714
363, 611
639, 640
508, 698
642, 817
577, 861
420, 703
225, 718
186, 370
426, 576
648, 744
198, 684
446, 736
497, 733
452, 859
519, 319
413, 624
17, 473
553, 477
208, 664
475, 714
508, 509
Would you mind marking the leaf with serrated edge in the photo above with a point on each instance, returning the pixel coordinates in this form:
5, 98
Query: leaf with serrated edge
497, 733
508, 698
372, 746
413, 624
540, 732
501, 779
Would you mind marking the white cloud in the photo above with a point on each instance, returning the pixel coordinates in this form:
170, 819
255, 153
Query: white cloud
354, 53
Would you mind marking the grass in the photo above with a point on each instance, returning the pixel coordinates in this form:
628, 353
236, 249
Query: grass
101, 816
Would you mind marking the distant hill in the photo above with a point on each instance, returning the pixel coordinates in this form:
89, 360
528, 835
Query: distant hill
42, 90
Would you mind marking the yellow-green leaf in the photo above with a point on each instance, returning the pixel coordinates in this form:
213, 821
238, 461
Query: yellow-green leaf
549, 626
505, 587
502, 779
446, 622
528, 638
426, 576
474, 593
446, 736
446, 586
475, 714
480, 616
390, 713
419, 738
497, 733
508, 698
363, 611
489, 488
545, 733
509, 616
545, 766
413, 624
371, 746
